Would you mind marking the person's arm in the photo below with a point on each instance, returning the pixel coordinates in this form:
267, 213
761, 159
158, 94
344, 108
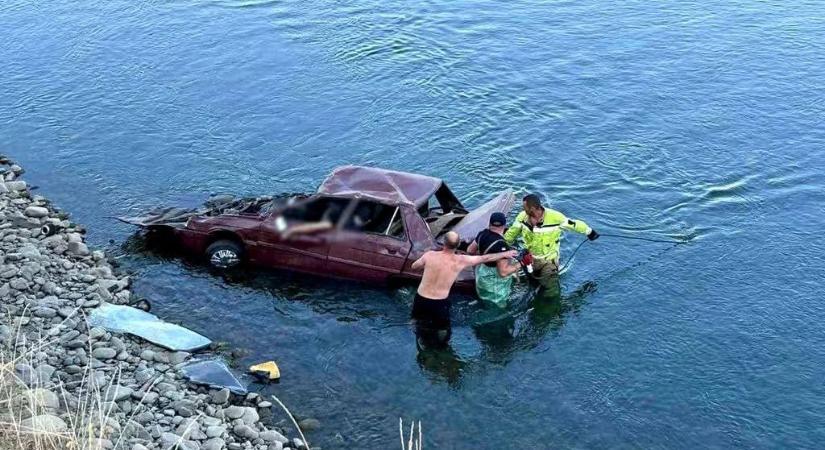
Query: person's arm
507, 267
419, 263
472, 249
579, 226
514, 231
307, 228
470, 260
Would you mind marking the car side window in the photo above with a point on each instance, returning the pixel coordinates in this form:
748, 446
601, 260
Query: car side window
317, 210
376, 218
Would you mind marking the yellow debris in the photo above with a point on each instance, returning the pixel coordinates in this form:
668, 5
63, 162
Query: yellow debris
269, 368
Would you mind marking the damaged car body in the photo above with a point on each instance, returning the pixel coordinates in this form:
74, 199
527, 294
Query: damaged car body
363, 223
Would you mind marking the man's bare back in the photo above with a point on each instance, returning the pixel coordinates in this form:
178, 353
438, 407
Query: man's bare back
441, 268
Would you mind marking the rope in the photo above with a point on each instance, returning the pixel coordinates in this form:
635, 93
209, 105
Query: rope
570, 259
621, 236
639, 238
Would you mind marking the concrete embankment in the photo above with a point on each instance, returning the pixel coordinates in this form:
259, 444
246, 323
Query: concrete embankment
87, 387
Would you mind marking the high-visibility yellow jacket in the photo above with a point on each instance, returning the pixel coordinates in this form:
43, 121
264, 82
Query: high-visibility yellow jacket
543, 239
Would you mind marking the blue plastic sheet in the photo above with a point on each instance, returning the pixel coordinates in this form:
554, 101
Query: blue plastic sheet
125, 319
213, 373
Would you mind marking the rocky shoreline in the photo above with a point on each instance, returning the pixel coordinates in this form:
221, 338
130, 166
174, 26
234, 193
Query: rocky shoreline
50, 281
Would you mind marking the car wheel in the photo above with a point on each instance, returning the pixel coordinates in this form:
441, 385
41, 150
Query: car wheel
224, 254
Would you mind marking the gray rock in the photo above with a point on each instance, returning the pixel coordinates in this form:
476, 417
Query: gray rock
215, 431
44, 312
147, 355
135, 430
148, 398
250, 416
145, 417
190, 429
104, 353
96, 333
44, 423
43, 373
16, 185
178, 357
19, 284
214, 444
297, 443
139, 447
78, 249
170, 441
144, 375
234, 412
273, 436
275, 446
42, 398
245, 431
219, 397
185, 408
118, 393
36, 211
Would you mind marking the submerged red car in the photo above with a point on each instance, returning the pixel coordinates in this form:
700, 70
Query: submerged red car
363, 223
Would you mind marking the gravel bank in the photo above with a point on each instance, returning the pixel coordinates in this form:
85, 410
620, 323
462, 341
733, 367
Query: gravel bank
49, 282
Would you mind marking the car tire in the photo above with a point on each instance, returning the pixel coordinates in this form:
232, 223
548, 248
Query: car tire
224, 254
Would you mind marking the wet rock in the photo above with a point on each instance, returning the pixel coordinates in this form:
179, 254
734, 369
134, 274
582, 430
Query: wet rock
36, 211
299, 444
309, 424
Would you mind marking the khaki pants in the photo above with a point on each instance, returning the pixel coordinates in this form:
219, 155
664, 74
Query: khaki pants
546, 271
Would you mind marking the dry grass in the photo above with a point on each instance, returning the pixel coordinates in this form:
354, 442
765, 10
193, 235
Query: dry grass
83, 405
415, 441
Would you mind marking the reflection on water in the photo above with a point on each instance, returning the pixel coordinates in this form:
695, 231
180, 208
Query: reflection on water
534, 311
652, 118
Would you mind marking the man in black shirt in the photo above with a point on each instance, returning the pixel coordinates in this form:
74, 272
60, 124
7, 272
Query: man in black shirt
494, 279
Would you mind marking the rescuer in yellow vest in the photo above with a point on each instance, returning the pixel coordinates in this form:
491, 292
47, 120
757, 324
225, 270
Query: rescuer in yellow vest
540, 228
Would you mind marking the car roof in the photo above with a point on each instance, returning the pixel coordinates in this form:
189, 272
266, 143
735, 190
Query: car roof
385, 186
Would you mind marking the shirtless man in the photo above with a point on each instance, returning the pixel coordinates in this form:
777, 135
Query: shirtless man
431, 308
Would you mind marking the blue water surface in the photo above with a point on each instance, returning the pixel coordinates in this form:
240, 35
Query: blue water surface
663, 119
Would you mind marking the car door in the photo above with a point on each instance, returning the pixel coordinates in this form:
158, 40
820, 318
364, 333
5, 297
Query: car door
374, 250
305, 252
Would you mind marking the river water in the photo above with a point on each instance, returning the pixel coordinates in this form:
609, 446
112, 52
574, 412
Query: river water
697, 119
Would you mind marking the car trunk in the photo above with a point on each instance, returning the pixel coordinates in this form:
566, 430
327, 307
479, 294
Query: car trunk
479, 218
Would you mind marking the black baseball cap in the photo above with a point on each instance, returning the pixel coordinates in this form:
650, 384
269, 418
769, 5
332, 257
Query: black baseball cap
498, 219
